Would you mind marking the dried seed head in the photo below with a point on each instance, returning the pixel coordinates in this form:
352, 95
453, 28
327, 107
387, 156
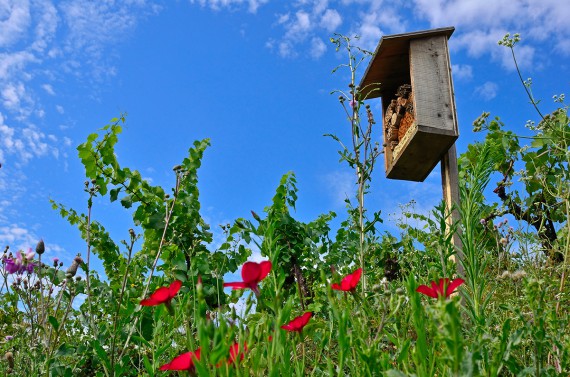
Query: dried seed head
9, 356
40, 247
72, 270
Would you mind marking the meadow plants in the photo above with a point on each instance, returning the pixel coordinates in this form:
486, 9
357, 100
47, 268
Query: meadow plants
159, 307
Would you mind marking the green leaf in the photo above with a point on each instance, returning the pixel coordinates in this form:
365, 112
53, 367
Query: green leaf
127, 201
53, 321
65, 350
148, 366
101, 353
114, 193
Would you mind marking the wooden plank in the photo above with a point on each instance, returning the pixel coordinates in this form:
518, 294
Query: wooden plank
450, 186
430, 77
419, 153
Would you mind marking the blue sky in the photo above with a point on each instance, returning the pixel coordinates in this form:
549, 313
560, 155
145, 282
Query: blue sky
254, 76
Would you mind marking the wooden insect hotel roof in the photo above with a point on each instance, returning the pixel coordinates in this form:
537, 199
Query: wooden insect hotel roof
390, 65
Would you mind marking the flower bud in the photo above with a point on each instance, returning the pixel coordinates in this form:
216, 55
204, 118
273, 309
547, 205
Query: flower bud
255, 216
40, 247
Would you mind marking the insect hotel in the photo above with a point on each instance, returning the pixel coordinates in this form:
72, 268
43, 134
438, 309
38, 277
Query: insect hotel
411, 73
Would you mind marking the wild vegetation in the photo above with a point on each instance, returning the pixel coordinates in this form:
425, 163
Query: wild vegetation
354, 301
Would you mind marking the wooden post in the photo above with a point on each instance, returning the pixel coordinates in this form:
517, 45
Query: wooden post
450, 186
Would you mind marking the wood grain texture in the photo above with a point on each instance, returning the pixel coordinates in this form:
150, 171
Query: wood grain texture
431, 82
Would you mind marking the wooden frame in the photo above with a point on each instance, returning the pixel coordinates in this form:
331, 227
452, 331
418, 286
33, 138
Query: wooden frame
420, 59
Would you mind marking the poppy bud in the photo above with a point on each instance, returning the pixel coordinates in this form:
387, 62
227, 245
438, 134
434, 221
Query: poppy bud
40, 247
255, 216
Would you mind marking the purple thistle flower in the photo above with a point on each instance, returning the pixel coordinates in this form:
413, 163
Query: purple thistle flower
20, 263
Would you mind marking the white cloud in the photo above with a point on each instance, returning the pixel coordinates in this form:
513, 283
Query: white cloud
330, 20
11, 95
15, 19
480, 24
31, 53
487, 91
12, 64
304, 28
318, 47
462, 71
49, 89
14, 233
297, 29
252, 5
286, 49
26, 143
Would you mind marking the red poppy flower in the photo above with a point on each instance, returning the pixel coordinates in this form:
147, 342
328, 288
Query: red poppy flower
349, 283
443, 289
183, 362
237, 353
252, 273
163, 295
298, 323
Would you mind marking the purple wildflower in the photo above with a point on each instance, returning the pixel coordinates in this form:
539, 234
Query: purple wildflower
20, 263
9, 337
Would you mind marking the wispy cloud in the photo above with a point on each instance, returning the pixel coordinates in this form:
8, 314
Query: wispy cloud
487, 91
31, 53
480, 24
252, 5
12, 27
340, 184
305, 26
462, 71
25, 143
